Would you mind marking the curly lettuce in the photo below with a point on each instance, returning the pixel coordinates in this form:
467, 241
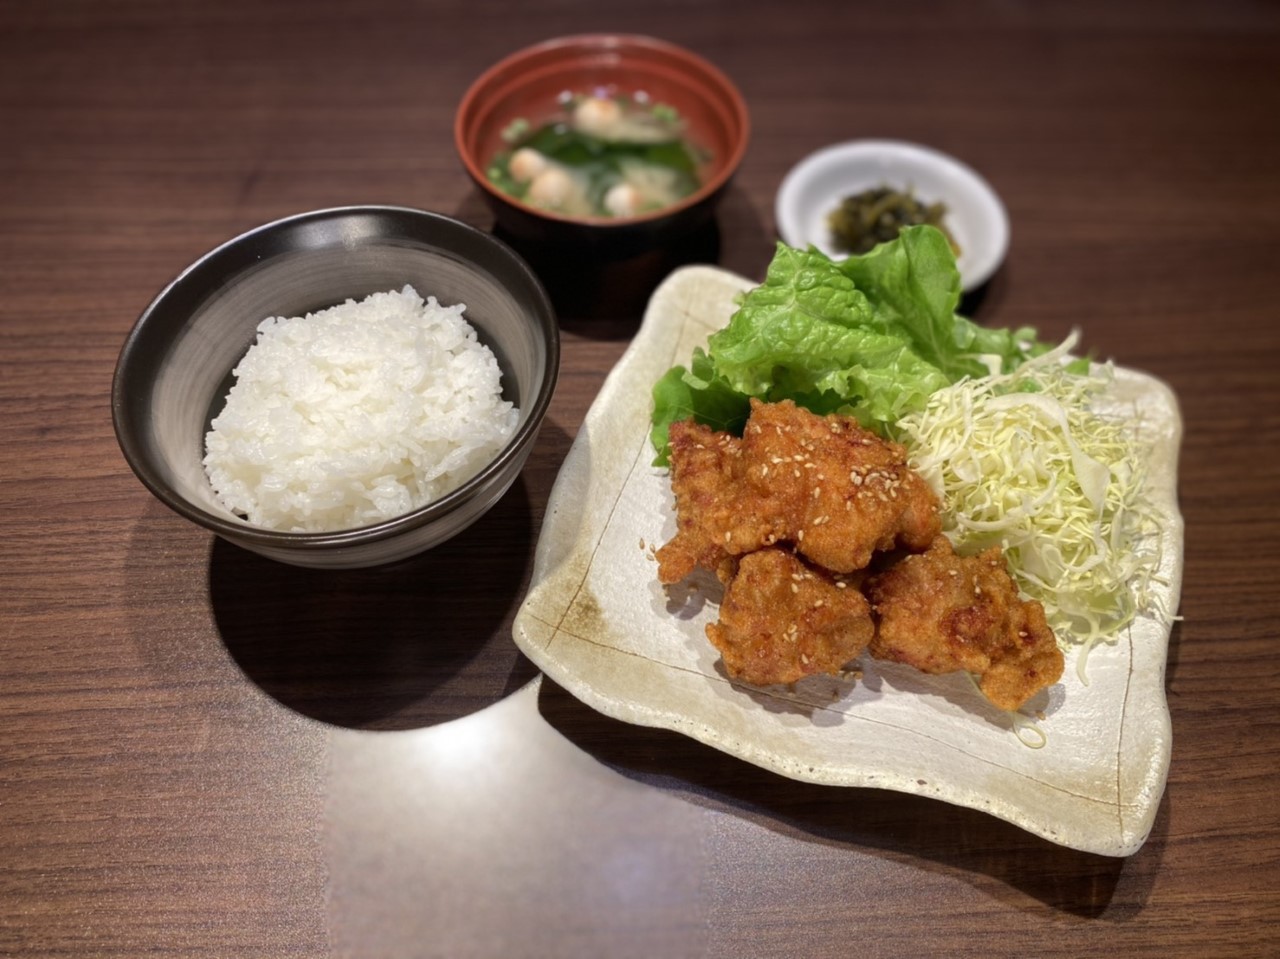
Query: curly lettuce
872, 336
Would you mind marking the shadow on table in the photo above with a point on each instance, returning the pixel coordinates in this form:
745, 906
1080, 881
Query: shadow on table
602, 296
1173, 655
992, 854
417, 643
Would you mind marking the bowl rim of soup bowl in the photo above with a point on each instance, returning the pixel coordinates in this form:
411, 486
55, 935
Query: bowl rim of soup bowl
166, 317
558, 55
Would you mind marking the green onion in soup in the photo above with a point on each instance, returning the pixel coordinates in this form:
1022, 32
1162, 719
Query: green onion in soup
619, 156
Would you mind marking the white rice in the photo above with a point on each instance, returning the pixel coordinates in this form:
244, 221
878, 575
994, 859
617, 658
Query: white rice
357, 414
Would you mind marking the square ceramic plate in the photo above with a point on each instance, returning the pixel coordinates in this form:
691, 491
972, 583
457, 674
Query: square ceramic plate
598, 623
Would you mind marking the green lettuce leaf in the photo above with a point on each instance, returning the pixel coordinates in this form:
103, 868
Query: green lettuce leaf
914, 288
871, 336
699, 393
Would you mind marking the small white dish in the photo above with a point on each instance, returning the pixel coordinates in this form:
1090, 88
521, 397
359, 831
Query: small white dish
814, 187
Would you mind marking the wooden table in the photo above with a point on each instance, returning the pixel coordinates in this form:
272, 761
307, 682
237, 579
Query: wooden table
203, 753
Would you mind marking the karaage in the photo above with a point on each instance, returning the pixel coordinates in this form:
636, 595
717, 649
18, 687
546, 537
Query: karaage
782, 620
833, 491
942, 613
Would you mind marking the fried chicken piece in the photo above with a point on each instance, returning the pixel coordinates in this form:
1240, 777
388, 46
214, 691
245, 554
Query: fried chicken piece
840, 491
942, 613
782, 620
706, 477
835, 491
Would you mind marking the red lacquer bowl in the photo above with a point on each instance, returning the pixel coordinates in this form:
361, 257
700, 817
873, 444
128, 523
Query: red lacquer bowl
528, 83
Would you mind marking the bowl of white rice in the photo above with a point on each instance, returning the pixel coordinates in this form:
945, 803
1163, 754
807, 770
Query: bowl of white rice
342, 388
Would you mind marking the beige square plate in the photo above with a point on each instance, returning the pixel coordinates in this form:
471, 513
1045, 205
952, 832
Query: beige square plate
598, 623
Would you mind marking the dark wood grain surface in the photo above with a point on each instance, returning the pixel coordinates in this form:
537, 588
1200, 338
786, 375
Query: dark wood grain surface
205, 754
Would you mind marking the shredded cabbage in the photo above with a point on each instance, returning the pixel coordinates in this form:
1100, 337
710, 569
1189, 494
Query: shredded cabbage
1027, 461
